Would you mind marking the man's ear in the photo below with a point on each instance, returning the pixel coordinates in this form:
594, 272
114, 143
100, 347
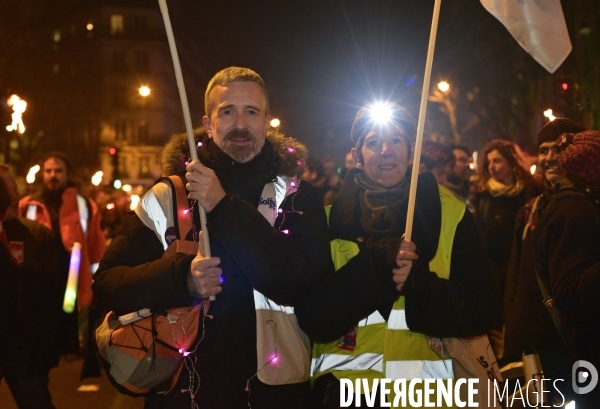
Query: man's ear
267, 123
355, 158
206, 123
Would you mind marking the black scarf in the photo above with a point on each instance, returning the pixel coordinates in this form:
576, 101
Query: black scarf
345, 220
381, 208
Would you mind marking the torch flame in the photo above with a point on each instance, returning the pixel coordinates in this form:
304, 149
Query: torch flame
31, 175
18, 106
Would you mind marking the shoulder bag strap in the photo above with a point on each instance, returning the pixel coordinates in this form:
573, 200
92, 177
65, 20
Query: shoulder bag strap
184, 220
549, 303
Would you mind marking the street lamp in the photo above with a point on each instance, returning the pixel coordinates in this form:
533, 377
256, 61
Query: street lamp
275, 122
144, 91
448, 102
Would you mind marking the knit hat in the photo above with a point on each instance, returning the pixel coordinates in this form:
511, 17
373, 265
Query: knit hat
553, 129
364, 122
579, 155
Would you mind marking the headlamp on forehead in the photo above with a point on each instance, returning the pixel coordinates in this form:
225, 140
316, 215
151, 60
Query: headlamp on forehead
381, 112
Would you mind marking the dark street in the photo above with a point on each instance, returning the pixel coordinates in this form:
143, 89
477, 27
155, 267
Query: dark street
64, 381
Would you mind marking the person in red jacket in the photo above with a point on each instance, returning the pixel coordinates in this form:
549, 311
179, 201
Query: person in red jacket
72, 218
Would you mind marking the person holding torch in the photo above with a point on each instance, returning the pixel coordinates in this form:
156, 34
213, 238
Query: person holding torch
387, 288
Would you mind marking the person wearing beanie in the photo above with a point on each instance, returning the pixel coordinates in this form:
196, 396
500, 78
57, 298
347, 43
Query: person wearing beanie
567, 253
385, 287
527, 323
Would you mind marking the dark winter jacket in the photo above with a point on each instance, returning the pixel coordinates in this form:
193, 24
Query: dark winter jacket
495, 217
567, 256
465, 305
253, 254
31, 295
527, 322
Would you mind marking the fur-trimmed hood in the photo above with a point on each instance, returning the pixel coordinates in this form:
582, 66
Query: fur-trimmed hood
292, 153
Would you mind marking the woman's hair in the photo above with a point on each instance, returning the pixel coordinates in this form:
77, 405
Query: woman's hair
511, 152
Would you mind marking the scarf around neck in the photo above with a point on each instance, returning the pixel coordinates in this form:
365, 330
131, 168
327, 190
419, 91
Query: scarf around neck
382, 213
497, 189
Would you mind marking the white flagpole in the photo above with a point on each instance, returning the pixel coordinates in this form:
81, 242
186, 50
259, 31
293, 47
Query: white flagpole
186, 112
186, 116
421, 123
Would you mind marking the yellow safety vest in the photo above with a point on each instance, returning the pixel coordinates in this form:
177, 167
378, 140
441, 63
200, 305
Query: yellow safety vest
388, 349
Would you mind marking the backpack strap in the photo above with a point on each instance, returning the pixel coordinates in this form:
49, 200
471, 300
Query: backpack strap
183, 221
530, 209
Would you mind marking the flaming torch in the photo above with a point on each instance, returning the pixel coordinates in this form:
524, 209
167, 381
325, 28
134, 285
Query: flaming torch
18, 106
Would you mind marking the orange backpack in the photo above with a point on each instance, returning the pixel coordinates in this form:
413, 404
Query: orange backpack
143, 352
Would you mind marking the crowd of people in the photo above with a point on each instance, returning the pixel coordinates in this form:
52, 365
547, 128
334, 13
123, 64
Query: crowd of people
311, 278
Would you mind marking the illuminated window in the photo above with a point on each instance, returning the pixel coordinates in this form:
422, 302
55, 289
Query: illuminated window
56, 36
116, 24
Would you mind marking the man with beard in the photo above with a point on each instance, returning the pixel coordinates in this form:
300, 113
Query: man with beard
269, 244
72, 218
527, 323
460, 172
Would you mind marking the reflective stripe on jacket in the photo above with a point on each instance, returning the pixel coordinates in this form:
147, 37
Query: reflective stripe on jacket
389, 349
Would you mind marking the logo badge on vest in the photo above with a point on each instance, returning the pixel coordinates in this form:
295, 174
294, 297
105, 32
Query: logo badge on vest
267, 202
348, 341
170, 235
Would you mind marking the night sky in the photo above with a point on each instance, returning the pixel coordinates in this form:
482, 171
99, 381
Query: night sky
322, 60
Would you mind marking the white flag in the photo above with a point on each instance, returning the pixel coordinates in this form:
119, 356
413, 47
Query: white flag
538, 25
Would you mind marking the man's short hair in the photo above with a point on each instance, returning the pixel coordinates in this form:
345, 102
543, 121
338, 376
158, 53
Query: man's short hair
462, 148
57, 155
233, 74
436, 154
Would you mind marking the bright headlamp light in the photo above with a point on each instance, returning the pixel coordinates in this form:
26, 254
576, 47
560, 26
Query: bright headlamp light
381, 112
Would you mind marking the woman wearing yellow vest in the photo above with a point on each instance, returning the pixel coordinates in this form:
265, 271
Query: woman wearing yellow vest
371, 318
